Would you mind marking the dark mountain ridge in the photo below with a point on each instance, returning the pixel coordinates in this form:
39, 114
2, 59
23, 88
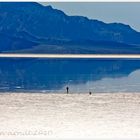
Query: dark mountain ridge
39, 24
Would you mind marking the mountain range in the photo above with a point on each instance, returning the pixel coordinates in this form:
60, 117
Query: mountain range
29, 27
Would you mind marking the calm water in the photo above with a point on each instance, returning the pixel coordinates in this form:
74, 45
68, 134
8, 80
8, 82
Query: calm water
81, 75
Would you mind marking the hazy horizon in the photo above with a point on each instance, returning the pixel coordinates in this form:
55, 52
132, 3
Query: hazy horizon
108, 12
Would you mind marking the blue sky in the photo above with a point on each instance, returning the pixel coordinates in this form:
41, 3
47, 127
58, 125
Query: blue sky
124, 12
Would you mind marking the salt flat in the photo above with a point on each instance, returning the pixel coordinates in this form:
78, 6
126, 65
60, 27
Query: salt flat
70, 115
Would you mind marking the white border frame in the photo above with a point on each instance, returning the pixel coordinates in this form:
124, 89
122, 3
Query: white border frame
105, 56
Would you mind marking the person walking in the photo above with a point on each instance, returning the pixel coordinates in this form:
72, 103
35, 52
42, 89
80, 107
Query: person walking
67, 88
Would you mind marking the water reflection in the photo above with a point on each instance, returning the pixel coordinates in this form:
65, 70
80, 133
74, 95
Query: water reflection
130, 83
81, 75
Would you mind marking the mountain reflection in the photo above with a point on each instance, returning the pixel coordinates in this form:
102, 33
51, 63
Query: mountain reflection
130, 83
81, 75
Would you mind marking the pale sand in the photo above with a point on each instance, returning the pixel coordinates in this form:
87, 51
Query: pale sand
70, 116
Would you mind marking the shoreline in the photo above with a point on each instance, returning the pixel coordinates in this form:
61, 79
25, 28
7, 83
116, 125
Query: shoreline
64, 93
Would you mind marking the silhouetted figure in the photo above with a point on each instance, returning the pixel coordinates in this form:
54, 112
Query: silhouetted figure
67, 88
90, 93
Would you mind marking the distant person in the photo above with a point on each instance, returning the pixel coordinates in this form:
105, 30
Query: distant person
90, 93
67, 88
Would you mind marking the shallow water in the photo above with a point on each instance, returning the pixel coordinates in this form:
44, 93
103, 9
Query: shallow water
81, 75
